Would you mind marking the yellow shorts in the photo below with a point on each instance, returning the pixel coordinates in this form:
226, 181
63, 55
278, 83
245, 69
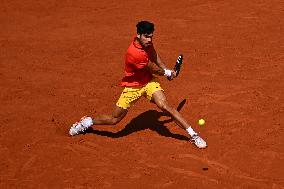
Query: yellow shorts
130, 95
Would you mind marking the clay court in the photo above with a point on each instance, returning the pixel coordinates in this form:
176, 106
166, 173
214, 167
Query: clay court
61, 60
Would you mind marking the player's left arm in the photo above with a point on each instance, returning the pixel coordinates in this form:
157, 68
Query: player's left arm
154, 69
157, 59
162, 69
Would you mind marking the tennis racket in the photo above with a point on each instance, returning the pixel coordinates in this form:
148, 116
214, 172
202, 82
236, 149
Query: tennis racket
178, 64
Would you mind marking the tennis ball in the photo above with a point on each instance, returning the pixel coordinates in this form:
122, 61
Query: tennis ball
201, 122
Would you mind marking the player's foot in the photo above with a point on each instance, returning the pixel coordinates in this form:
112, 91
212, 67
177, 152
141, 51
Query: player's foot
81, 126
198, 141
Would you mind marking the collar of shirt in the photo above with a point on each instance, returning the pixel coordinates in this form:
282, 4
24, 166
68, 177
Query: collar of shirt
136, 43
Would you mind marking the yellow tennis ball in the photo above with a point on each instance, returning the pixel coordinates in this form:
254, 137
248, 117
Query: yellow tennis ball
201, 122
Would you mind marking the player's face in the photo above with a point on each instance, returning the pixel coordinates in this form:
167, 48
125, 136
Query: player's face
145, 39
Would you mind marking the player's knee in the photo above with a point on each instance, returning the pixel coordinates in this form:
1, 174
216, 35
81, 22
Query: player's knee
164, 106
115, 120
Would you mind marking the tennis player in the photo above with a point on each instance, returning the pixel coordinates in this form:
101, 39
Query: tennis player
142, 66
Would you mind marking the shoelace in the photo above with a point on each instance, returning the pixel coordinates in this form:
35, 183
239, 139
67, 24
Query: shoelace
196, 139
80, 127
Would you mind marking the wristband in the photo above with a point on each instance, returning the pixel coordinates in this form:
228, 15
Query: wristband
168, 73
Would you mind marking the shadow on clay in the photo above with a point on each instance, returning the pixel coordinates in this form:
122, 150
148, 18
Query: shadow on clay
146, 120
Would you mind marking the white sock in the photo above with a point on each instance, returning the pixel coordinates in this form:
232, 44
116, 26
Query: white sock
87, 122
190, 131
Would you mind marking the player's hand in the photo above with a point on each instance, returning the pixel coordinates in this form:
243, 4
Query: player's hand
173, 75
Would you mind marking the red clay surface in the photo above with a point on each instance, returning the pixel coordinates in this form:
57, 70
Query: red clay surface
60, 60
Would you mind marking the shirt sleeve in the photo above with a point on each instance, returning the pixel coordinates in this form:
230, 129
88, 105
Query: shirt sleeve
135, 63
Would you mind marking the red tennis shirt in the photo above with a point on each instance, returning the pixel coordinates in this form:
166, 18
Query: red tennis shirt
136, 61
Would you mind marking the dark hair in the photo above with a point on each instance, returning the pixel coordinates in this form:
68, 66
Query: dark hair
145, 27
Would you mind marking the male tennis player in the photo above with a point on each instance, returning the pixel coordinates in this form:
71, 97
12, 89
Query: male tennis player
141, 63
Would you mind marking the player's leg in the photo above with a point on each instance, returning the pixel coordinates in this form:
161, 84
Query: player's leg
110, 119
126, 99
101, 119
156, 95
160, 100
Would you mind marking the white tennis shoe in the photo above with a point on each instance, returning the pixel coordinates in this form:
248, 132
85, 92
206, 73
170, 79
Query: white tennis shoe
81, 126
198, 141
